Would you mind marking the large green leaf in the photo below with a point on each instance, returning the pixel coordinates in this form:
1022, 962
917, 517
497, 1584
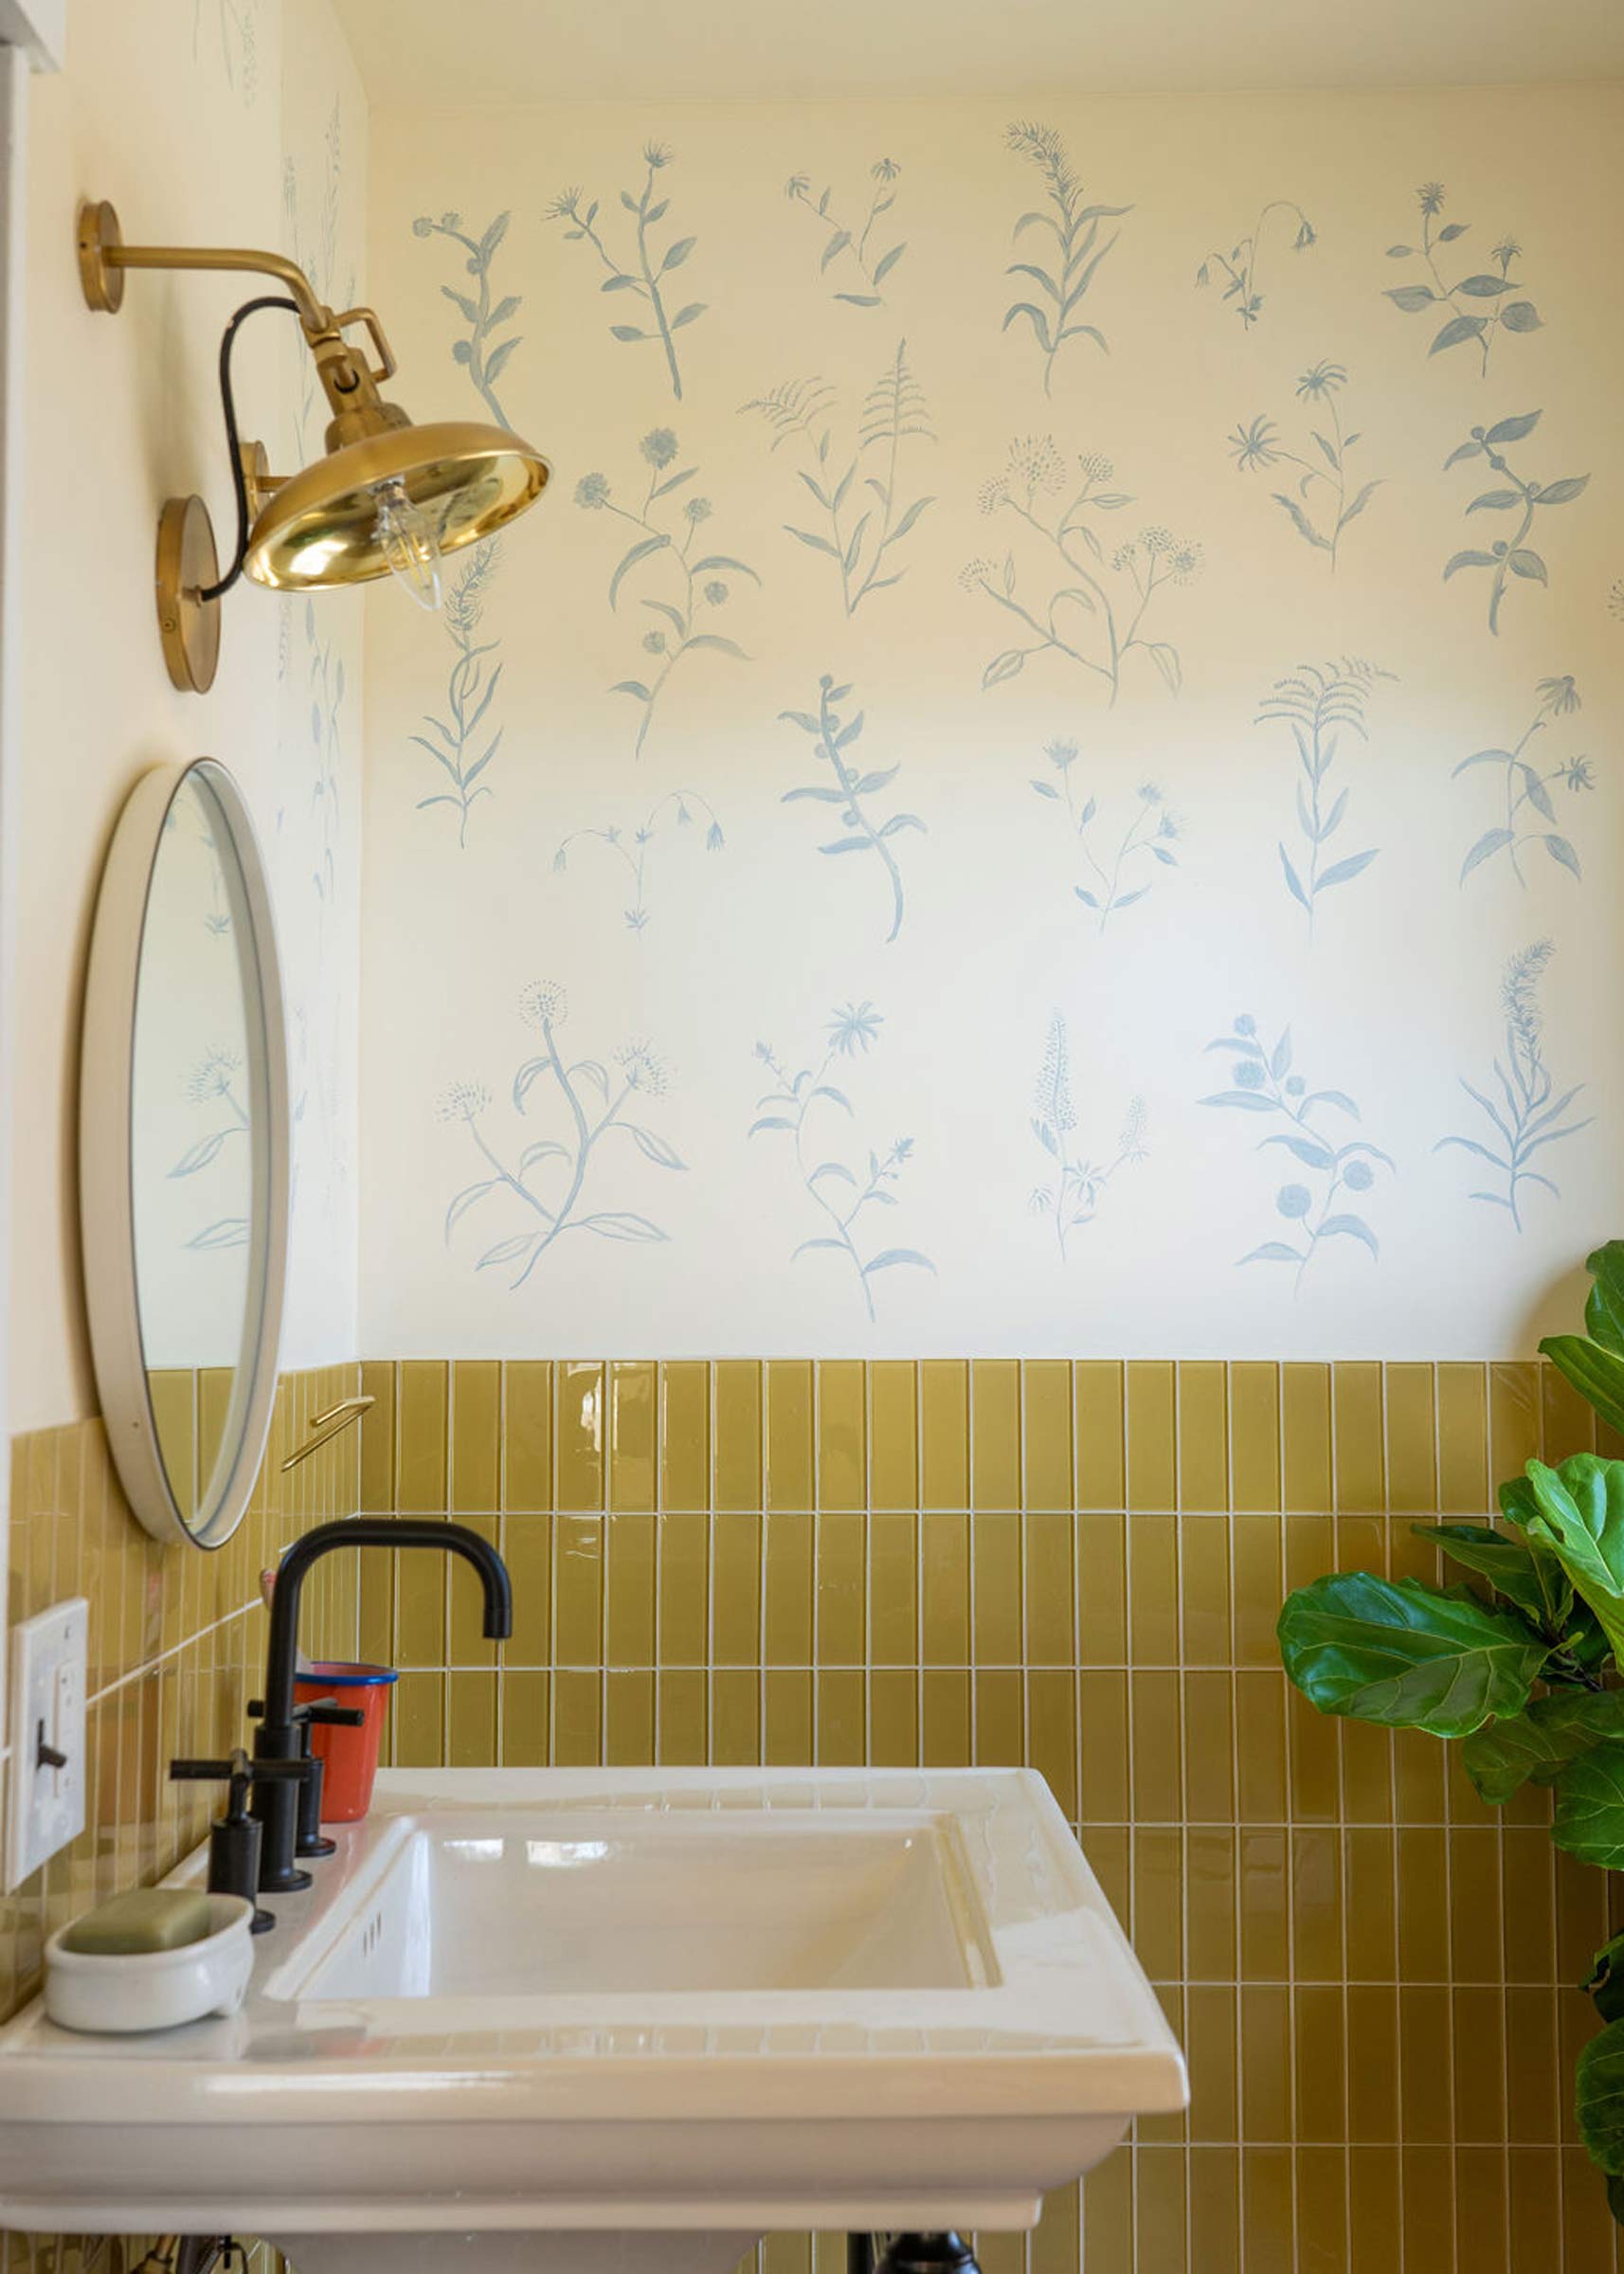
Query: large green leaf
1405, 1654
1589, 1817
1596, 1373
1532, 1579
1605, 1980
1604, 1307
1581, 1518
1537, 1745
1599, 2097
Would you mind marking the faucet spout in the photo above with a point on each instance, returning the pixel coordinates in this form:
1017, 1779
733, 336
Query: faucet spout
279, 1737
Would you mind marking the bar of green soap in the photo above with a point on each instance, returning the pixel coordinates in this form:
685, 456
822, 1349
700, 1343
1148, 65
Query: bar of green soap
146, 1919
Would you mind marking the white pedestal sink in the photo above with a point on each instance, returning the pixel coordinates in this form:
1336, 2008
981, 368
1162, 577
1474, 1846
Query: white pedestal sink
618, 2018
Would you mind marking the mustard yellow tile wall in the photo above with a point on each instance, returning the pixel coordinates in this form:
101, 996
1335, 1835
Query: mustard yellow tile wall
1076, 1566
176, 1648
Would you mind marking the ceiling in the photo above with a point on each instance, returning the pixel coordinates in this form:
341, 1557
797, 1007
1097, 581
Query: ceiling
442, 53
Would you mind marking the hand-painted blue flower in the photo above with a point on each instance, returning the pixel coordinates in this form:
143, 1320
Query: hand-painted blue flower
658, 446
643, 1070
543, 1002
462, 1101
1249, 1075
855, 1026
1293, 1199
592, 491
715, 592
1359, 1176
1246, 1024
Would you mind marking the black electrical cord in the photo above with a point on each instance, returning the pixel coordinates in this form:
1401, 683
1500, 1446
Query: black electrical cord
232, 444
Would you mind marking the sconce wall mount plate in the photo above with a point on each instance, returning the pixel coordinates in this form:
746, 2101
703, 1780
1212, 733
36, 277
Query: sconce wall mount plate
386, 496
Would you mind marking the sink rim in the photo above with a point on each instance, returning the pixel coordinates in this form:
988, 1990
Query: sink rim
1032, 2042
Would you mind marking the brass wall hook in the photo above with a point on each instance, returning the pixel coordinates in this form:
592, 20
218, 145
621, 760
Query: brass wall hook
325, 1427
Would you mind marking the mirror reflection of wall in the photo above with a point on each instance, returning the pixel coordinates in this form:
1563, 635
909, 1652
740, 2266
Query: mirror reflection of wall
191, 1157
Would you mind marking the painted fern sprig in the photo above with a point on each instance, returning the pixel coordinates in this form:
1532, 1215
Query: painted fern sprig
1074, 227
859, 532
644, 274
833, 735
1318, 701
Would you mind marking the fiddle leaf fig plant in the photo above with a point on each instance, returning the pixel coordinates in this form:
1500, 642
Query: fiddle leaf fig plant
1523, 1661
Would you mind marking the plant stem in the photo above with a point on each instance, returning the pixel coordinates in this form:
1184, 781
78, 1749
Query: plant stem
651, 281
848, 783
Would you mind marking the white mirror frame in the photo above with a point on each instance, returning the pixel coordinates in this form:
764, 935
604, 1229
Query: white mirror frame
106, 1207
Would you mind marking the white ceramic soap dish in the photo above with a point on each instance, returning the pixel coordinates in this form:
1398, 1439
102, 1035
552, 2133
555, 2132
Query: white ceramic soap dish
118, 1993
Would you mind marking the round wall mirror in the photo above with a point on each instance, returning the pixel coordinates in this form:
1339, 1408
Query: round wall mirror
184, 1153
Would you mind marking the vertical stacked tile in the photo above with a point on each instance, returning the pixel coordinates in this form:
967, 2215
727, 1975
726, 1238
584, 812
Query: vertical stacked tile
176, 1648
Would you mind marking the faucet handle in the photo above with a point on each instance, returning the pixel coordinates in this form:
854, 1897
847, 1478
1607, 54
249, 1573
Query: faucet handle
318, 1713
234, 1838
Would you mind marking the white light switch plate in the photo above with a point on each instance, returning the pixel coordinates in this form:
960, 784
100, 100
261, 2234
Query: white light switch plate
44, 1804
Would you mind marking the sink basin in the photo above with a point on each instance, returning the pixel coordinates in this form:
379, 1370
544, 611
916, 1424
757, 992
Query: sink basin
597, 1904
622, 2017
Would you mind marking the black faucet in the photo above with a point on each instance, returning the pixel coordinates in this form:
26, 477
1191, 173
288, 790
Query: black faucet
279, 1736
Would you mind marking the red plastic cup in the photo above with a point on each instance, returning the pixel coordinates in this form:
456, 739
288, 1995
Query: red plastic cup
350, 1755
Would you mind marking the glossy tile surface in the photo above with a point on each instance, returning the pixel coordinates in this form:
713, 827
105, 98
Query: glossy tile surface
1079, 1566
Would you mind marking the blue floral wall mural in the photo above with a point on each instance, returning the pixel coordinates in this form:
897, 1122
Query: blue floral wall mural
1054, 579
1525, 1113
805, 1106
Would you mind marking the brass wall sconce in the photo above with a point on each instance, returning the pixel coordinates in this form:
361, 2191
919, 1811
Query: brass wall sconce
387, 496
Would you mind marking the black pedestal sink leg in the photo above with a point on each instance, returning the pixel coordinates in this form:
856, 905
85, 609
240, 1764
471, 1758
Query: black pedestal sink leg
947, 2253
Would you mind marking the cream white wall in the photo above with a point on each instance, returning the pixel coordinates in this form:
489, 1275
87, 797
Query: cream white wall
205, 124
1394, 1002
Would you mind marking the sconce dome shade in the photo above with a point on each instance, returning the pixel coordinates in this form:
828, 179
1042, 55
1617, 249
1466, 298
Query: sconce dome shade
321, 528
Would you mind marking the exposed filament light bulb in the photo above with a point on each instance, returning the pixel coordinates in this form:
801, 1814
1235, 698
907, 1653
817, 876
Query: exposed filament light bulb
409, 543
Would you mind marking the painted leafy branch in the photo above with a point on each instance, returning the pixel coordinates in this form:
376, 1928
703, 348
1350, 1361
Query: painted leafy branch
839, 1192
1480, 303
547, 1178
1318, 701
696, 584
1239, 264
1528, 815
327, 687
1124, 868
239, 24
1528, 1115
1320, 506
482, 357
642, 275
851, 788
862, 522
1073, 225
1094, 622
1509, 556
847, 249
212, 1082
634, 851
1072, 1195
1263, 1083
452, 741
